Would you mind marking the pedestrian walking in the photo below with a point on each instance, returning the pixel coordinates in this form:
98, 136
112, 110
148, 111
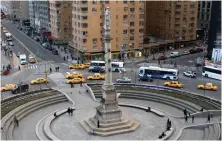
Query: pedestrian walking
16, 121
186, 118
192, 118
71, 111
64, 58
19, 68
67, 57
171, 62
72, 58
185, 112
50, 70
58, 68
148, 109
208, 118
80, 84
68, 111
98, 124
72, 85
55, 114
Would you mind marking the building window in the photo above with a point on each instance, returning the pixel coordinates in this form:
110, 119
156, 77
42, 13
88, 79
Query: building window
208, 17
125, 9
125, 1
94, 9
202, 16
94, 48
124, 31
131, 38
208, 4
94, 40
93, 2
131, 23
125, 17
132, 10
84, 40
131, 31
203, 5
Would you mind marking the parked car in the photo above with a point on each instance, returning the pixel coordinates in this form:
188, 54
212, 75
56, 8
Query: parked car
174, 54
199, 50
49, 48
10, 43
185, 52
55, 52
146, 78
190, 74
36, 39
162, 58
123, 80
20, 88
45, 45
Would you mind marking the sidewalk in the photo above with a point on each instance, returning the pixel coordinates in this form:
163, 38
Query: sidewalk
14, 60
150, 57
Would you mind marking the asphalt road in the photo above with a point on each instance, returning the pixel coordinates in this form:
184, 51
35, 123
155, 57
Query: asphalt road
29, 44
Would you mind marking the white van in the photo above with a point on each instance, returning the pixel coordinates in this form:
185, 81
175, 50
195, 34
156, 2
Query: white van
174, 54
23, 60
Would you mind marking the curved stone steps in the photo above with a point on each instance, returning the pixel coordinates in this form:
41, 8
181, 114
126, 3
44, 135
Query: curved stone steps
169, 102
40, 130
192, 134
206, 133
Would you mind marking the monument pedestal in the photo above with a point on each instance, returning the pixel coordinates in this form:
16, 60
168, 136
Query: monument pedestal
109, 116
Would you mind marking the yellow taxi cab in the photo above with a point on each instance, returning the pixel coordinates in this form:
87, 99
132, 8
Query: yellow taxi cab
207, 86
76, 80
74, 75
96, 76
173, 84
8, 87
39, 81
86, 65
76, 66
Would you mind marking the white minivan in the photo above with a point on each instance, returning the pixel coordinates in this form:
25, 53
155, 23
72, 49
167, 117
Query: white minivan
23, 60
174, 54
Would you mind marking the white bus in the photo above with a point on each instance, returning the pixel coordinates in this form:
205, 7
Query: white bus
211, 72
94, 64
116, 66
157, 72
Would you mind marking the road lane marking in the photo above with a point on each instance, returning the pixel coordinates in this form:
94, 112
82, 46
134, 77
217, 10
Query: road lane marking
26, 47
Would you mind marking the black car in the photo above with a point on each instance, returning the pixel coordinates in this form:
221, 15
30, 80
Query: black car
20, 88
97, 69
49, 48
55, 52
146, 78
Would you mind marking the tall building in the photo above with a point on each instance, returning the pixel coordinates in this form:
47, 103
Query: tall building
11, 9
39, 15
24, 10
127, 28
204, 14
61, 20
172, 20
214, 39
